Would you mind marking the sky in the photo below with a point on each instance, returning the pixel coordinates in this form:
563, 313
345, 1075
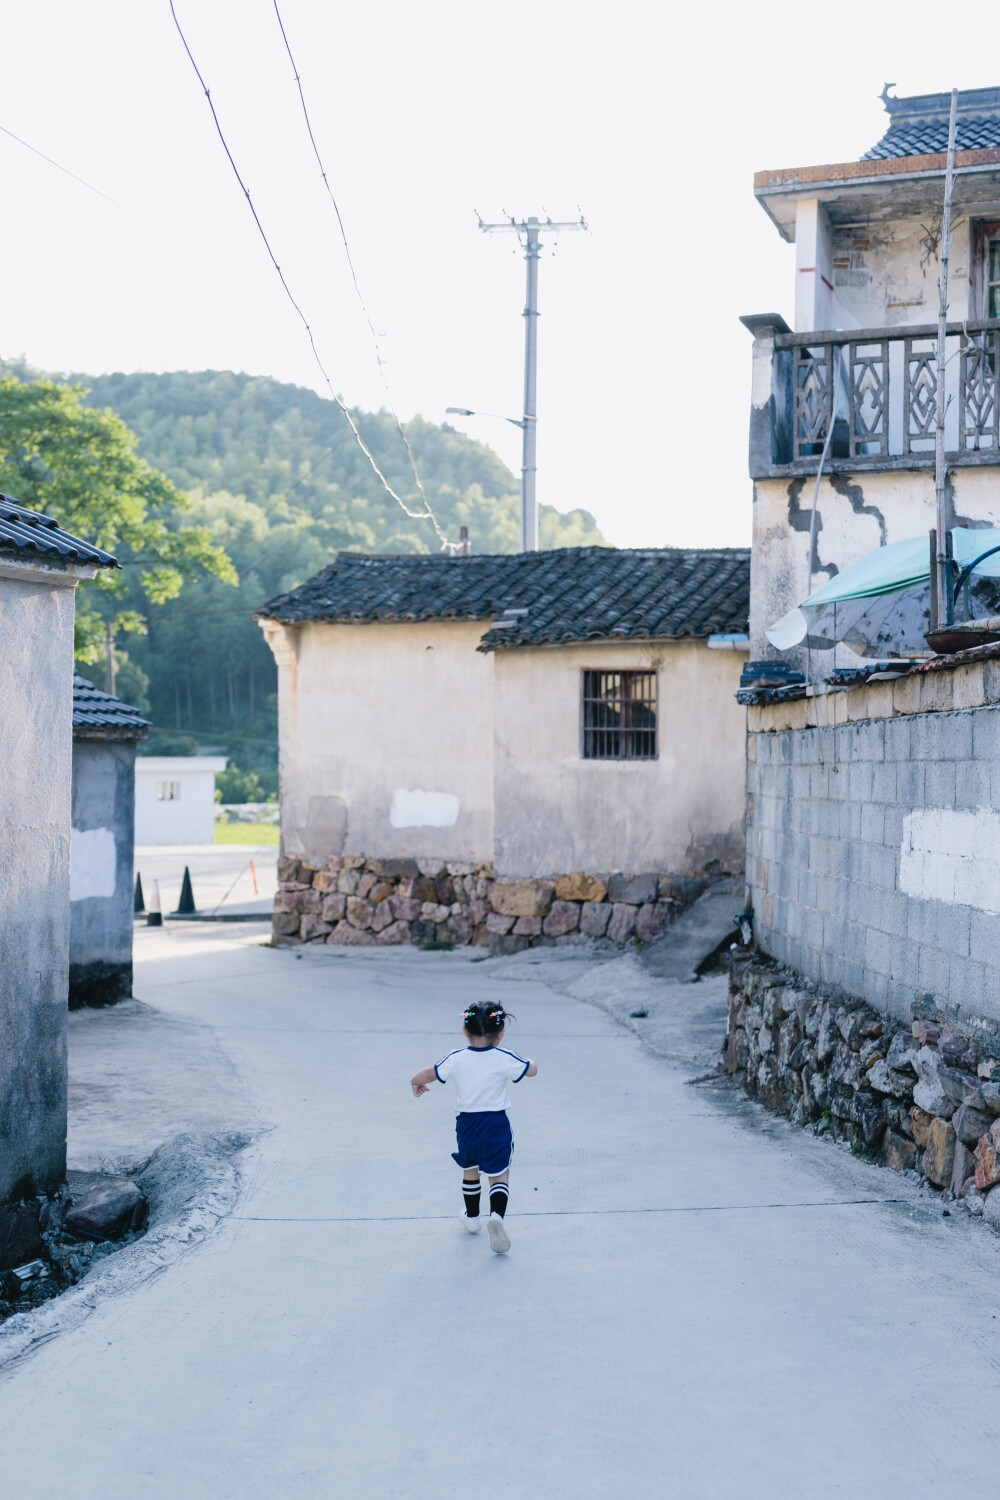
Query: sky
648, 119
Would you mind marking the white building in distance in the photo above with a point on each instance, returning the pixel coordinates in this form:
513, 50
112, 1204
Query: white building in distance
175, 798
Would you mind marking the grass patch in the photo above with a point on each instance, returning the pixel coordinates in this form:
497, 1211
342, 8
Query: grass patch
253, 835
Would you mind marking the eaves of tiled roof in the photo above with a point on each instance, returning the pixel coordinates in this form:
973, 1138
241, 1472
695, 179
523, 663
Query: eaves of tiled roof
537, 598
97, 715
28, 533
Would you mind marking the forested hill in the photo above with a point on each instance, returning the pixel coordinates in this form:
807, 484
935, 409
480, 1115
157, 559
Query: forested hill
272, 443
276, 473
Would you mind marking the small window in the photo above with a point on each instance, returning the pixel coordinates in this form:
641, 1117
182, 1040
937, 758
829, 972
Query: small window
992, 259
168, 791
619, 715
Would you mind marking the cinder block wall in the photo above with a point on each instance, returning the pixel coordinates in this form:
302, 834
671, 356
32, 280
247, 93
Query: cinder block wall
873, 839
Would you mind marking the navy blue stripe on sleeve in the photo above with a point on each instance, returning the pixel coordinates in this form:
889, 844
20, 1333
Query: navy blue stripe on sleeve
527, 1065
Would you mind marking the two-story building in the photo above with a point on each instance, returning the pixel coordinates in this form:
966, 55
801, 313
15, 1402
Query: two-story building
860, 365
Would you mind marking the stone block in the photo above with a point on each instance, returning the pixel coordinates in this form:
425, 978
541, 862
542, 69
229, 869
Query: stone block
335, 862
963, 1169
303, 901
404, 908
348, 936
398, 869
653, 919
929, 1092
939, 1153
326, 881
424, 889
107, 1211
481, 936
334, 908
285, 922
528, 926
897, 1152
563, 917
445, 889
498, 924
686, 888
885, 1080
594, 918
971, 1124
580, 888
991, 1209
431, 867
434, 911
987, 1156
364, 885
288, 866
395, 934
633, 890
458, 927
522, 898
381, 917
347, 882
504, 944
478, 911
381, 891
920, 1124
622, 924
359, 912
313, 927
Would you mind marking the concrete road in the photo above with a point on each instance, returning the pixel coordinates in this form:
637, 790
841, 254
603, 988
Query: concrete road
697, 1303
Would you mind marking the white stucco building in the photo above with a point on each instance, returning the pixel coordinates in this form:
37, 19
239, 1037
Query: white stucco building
40, 567
175, 798
541, 713
860, 365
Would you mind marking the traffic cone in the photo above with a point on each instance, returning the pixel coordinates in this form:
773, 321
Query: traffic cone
154, 917
186, 906
138, 905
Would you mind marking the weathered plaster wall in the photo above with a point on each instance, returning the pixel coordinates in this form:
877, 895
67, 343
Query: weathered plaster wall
101, 918
872, 859
856, 514
556, 811
886, 274
386, 734
36, 689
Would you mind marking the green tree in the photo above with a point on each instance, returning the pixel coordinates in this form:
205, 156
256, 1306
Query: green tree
80, 466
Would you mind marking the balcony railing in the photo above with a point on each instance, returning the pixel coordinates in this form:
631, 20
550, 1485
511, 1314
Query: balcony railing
878, 388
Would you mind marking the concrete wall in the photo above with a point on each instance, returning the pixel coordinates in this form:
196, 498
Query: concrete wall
100, 890
36, 691
556, 811
186, 819
386, 739
873, 839
856, 514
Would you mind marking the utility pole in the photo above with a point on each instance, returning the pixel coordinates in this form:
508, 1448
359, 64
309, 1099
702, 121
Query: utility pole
529, 233
941, 561
109, 639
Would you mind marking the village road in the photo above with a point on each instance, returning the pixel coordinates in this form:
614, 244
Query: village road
697, 1303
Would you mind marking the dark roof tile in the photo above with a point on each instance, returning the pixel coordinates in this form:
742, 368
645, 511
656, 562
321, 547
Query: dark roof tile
97, 715
569, 594
918, 125
28, 531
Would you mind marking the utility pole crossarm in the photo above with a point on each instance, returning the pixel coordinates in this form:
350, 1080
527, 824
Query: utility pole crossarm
529, 232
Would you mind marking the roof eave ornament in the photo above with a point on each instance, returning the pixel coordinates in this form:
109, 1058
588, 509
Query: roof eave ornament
887, 99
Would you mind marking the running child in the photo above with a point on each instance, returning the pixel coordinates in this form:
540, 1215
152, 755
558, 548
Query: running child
481, 1072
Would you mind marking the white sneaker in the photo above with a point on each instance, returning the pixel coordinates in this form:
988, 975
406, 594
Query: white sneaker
499, 1238
471, 1226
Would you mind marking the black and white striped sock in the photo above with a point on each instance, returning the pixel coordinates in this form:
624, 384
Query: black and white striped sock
470, 1192
499, 1193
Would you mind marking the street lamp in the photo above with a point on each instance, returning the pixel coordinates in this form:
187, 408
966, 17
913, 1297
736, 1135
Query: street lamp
463, 411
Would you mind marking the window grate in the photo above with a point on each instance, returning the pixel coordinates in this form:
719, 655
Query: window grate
619, 715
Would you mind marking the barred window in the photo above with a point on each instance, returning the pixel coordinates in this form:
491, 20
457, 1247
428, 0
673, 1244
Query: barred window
168, 791
619, 715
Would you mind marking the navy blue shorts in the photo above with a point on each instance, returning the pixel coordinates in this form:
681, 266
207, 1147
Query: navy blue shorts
484, 1140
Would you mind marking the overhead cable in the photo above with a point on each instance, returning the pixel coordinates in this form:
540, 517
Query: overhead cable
416, 515
347, 252
88, 185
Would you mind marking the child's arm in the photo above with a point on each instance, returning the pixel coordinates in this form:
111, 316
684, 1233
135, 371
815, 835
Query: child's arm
420, 1082
532, 1069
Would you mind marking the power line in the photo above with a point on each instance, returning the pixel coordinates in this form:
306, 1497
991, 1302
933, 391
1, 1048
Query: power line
425, 515
347, 252
88, 185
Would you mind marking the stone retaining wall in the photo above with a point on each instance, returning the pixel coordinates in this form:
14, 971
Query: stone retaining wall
926, 1098
355, 901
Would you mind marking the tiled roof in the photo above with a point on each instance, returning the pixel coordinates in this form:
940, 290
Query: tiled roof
23, 531
919, 125
569, 594
97, 715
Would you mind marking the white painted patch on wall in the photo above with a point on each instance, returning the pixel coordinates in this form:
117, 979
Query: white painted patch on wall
417, 809
93, 863
952, 857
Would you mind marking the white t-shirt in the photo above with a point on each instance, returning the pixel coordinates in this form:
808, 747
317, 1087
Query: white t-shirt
481, 1076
